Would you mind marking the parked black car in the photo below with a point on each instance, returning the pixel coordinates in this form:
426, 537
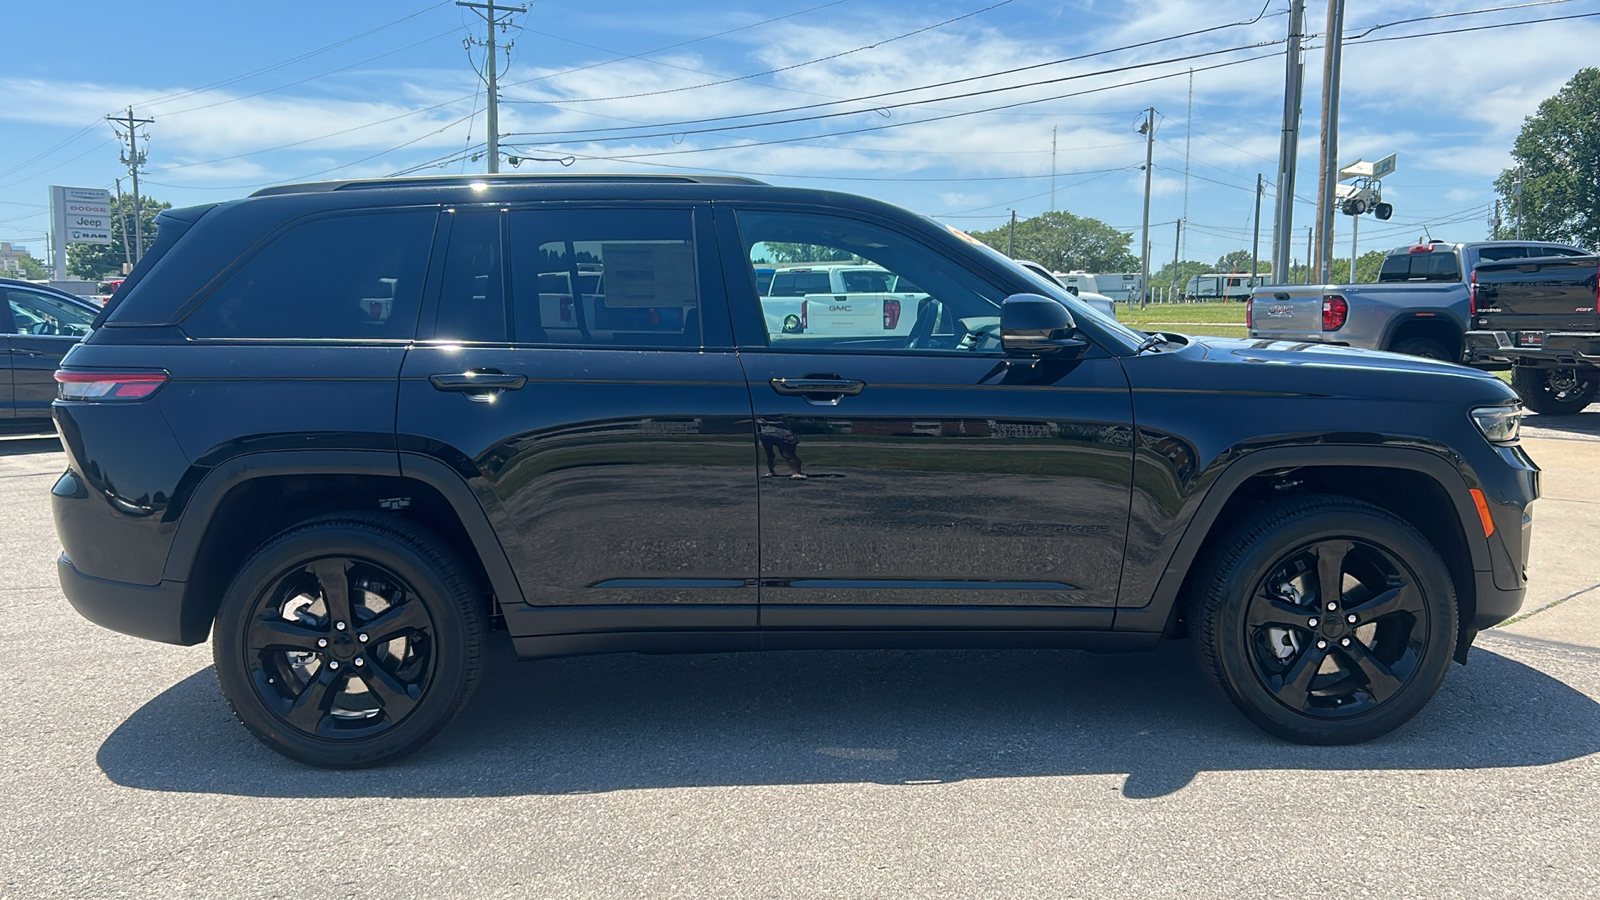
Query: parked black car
345, 428
38, 325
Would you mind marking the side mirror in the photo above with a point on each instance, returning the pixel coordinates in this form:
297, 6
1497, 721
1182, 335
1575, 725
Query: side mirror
1031, 325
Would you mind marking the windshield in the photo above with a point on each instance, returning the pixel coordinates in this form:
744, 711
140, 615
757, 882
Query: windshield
1056, 291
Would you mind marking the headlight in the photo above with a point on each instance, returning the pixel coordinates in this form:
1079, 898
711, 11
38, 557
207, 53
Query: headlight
1500, 424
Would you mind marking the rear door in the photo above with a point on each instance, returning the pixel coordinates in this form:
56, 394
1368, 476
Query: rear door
606, 435
44, 327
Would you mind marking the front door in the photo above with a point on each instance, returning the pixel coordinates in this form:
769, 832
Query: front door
43, 329
916, 476
581, 370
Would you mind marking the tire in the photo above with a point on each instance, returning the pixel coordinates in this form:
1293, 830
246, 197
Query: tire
1253, 604
1427, 348
308, 682
1553, 392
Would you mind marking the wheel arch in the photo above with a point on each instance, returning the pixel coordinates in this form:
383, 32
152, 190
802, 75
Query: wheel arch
1438, 328
1408, 483
240, 503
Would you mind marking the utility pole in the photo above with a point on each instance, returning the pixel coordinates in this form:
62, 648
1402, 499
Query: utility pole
133, 159
1289, 147
1516, 193
1355, 229
1188, 138
1328, 171
492, 18
1148, 129
1255, 242
1052, 168
1494, 222
1011, 236
1177, 245
1309, 270
127, 257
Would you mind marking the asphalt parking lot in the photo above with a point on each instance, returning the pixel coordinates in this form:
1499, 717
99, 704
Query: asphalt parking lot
854, 774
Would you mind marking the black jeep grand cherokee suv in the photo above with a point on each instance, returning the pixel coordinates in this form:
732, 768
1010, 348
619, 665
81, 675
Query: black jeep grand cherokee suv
345, 428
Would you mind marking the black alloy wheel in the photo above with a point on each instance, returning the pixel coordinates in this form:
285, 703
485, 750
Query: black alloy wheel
1326, 620
348, 641
1554, 392
1325, 648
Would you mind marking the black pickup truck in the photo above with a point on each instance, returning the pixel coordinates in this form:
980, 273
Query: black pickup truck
1540, 316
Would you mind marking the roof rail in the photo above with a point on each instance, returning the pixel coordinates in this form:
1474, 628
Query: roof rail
503, 179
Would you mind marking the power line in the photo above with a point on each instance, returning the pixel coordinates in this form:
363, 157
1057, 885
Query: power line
155, 101
641, 55
924, 121
883, 109
809, 62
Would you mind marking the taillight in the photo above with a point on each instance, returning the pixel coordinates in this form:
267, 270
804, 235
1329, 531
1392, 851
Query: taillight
566, 309
891, 314
84, 385
1472, 294
1249, 312
803, 305
1334, 311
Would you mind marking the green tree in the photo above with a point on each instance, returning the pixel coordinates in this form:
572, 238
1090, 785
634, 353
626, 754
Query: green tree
1558, 157
1063, 242
30, 268
97, 261
1239, 261
1187, 269
780, 252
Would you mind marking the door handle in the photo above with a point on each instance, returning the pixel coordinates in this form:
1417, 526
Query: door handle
843, 387
481, 385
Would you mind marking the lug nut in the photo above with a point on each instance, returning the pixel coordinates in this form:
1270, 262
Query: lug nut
1331, 608
1344, 642
1321, 645
360, 661
1351, 618
340, 625
1312, 623
334, 664
322, 642
363, 637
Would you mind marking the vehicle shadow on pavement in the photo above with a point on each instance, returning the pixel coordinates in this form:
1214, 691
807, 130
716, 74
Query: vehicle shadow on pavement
20, 445
608, 723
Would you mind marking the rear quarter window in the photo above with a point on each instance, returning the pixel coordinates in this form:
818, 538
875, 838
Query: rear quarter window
350, 277
1436, 266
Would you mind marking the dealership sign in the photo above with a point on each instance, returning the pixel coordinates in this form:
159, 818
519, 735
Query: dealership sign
80, 215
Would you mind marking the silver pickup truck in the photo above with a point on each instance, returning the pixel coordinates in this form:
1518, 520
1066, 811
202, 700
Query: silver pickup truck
1421, 304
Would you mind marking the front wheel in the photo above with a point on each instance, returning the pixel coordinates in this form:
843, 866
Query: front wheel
1553, 392
1325, 620
349, 641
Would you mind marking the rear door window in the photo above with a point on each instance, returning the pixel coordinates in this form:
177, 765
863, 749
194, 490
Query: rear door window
1492, 254
348, 277
604, 277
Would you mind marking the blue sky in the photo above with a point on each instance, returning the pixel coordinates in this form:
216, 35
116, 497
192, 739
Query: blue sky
246, 95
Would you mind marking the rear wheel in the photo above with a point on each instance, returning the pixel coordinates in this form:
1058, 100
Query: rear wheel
349, 641
1325, 620
1426, 348
1553, 392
